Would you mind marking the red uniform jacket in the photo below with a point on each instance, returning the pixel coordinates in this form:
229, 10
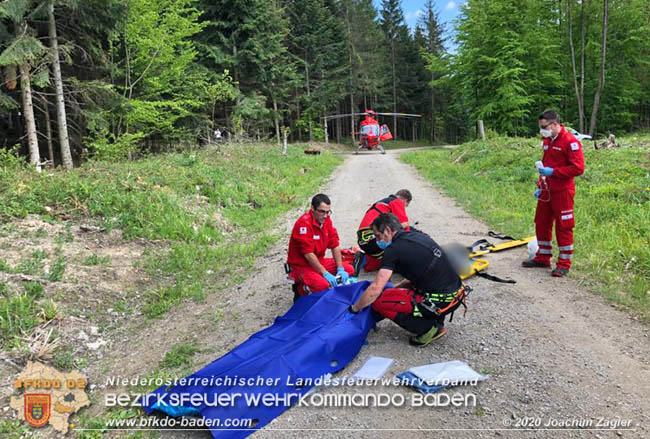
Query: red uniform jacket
310, 237
564, 155
394, 205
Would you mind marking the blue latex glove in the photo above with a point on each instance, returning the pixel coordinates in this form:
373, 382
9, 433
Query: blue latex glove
329, 277
538, 192
344, 275
545, 172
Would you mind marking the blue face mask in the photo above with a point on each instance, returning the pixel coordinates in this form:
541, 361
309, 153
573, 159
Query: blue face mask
382, 245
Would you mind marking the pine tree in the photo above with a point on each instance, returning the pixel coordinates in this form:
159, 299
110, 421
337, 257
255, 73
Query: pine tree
64, 142
24, 51
433, 44
394, 27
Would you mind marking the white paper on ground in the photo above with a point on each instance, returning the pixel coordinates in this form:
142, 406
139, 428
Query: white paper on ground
448, 372
374, 368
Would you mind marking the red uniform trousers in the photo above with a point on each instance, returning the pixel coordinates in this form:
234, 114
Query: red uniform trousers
372, 264
558, 209
396, 304
309, 280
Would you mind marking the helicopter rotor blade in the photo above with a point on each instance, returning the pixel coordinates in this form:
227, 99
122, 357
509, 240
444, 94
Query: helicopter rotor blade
339, 116
399, 114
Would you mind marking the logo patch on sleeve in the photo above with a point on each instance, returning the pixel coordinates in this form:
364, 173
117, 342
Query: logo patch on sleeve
575, 146
303, 230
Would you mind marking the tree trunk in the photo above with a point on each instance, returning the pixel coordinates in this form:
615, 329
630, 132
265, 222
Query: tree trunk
48, 129
601, 80
28, 110
433, 111
64, 143
581, 103
352, 127
579, 95
311, 133
285, 131
481, 129
298, 114
338, 123
394, 92
277, 122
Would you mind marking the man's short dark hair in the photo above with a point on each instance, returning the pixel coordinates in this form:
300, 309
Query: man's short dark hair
405, 194
320, 198
386, 220
550, 116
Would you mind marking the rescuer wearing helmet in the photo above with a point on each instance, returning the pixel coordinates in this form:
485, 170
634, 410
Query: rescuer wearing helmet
312, 235
431, 288
562, 160
370, 258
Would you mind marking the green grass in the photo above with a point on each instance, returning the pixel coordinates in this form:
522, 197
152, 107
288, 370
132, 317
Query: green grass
13, 429
30, 266
495, 181
214, 210
18, 314
399, 144
56, 270
33, 289
96, 260
180, 355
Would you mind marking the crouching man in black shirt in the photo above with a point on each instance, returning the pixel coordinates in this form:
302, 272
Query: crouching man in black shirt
431, 288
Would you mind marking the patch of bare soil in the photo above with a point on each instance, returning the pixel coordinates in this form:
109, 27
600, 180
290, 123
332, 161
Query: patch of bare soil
96, 293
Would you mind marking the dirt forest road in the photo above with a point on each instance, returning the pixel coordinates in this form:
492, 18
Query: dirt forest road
556, 353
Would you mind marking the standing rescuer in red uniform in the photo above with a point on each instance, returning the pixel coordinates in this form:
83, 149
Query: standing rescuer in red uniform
370, 259
312, 235
562, 161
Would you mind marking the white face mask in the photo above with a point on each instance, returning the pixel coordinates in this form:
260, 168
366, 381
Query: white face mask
545, 132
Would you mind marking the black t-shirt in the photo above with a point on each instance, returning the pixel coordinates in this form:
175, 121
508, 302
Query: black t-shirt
420, 259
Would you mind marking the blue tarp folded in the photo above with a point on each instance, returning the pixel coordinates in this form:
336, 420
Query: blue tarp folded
315, 337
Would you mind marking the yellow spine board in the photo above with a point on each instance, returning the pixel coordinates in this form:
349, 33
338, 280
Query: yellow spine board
477, 265
504, 246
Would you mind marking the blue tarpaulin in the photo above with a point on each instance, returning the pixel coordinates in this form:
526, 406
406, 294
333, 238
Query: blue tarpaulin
315, 337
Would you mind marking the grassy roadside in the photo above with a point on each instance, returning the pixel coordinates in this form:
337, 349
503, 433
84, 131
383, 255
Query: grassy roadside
212, 212
495, 180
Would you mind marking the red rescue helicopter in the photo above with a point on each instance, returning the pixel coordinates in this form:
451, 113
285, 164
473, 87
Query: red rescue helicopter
371, 133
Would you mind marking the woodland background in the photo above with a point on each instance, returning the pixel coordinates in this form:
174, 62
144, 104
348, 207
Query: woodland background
121, 78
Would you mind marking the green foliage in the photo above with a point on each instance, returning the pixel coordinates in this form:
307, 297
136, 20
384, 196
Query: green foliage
7, 104
180, 355
56, 270
18, 314
106, 146
163, 87
250, 112
14, 10
10, 160
13, 429
21, 49
495, 181
96, 260
34, 290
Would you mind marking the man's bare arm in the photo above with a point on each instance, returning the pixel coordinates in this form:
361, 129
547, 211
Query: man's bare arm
313, 261
336, 252
374, 290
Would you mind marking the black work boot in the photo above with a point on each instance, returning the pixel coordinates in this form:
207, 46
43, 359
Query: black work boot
359, 262
532, 263
560, 272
